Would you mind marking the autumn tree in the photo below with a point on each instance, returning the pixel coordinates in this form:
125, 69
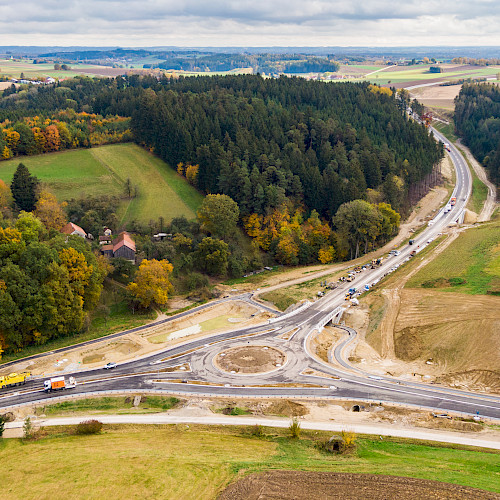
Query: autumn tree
218, 215
151, 285
24, 188
359, 222
49, 211
211, 256
5, 196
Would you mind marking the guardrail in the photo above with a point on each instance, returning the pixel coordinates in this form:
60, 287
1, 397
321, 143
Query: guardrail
299, 309
236, 395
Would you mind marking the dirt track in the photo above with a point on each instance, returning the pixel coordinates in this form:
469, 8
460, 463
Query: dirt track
302, 485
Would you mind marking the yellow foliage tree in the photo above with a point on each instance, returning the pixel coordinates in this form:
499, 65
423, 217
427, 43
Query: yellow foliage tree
52, 139
192, 174
12, 138
6, 153
49, 211
180, 168
326, 255
4, 195
40, 139
78, 270
152, 282
253, 225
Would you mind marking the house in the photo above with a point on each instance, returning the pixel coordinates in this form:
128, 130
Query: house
71, 228
123, 246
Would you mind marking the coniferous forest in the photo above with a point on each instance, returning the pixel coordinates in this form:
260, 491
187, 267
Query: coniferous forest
477, 120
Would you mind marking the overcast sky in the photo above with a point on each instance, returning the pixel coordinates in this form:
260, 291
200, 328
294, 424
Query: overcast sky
249, 23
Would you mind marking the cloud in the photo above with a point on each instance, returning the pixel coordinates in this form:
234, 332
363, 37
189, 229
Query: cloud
241, 22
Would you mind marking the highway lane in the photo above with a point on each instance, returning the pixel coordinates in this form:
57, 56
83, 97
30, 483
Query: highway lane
138, 374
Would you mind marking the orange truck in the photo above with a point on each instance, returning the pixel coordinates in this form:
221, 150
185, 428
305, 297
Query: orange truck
453, 201
58, 384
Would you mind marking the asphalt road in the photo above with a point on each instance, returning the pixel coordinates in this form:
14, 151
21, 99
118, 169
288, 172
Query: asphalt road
288, 333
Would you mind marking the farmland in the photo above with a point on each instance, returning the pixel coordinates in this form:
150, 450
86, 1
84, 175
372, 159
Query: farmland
198, 462
13, 69
104, 171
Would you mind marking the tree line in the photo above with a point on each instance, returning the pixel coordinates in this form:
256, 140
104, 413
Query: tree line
65, 129
477, 120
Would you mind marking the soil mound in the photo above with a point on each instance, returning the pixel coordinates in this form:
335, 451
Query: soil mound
250, 359
301, 485
476, 380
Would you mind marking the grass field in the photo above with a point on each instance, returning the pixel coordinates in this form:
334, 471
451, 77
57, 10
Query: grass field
114, 405
192, 462
421, 73
471, 265
285, 297
14, 68
104, 170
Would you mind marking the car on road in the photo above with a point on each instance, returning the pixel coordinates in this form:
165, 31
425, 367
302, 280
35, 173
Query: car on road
108, 366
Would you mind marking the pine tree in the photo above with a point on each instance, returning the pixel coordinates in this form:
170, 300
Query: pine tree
24, 188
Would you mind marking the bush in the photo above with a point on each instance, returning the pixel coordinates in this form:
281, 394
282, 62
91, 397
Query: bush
338, 444
2, 425
257, 430
88, 427
294, 428
28, 428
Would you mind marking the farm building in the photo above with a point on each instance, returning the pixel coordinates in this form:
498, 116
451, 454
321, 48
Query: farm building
71, 228
123, 246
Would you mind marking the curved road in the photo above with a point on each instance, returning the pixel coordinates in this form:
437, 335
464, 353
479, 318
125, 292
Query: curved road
288, 333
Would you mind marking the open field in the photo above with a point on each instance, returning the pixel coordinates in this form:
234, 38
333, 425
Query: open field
471, 265
437, 96
113, 405
198, 462
13, 68
402, 76
104, 171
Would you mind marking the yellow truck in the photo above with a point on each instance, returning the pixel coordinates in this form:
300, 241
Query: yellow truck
14, 379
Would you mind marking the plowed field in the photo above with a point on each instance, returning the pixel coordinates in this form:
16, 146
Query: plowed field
301, 485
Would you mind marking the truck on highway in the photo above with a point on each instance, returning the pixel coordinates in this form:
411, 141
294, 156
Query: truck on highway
453, 201
14, 379
58, 384
377, 262
447, 147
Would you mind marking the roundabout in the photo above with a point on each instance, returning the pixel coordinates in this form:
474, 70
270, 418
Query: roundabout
250, 359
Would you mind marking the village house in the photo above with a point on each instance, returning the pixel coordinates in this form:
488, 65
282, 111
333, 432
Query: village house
122, 246
71, 228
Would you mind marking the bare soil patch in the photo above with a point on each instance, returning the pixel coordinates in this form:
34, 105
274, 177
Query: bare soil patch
306, 485
250, 359
476, 380
324, 341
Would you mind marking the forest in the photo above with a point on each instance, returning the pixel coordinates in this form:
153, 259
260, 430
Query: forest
477, 120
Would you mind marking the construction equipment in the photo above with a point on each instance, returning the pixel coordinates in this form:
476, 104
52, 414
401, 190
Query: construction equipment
14, 379
58, 384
